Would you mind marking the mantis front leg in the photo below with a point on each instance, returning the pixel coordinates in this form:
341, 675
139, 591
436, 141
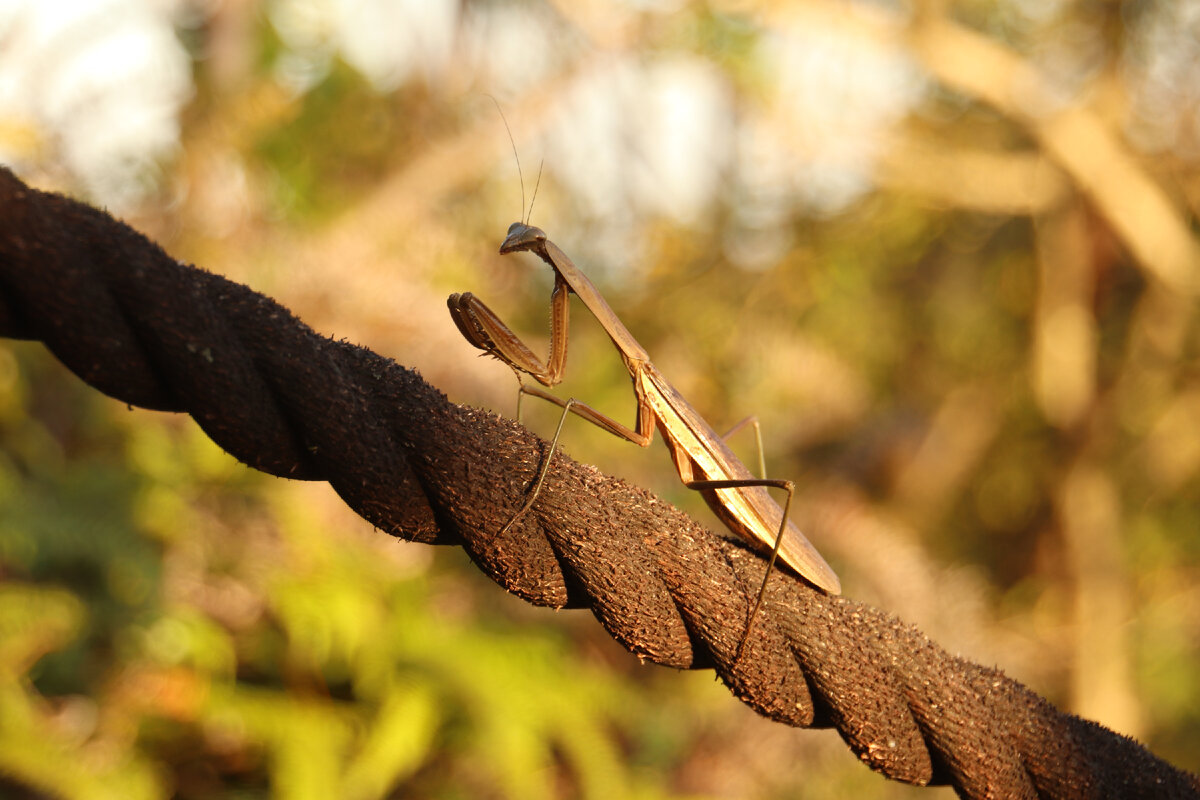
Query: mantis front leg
481, 327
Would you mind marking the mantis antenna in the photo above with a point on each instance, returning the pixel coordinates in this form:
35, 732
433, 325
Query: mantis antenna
526, 216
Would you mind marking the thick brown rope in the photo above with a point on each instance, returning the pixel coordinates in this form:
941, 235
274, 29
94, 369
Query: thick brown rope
149, 331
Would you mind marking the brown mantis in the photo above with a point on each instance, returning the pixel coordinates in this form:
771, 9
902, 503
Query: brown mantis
704, 462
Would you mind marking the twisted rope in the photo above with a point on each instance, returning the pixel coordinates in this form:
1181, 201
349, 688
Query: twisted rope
149, 331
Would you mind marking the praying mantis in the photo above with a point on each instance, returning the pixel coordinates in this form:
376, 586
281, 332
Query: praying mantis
703, 460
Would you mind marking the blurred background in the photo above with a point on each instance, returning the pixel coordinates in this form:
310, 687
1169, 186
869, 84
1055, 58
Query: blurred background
944, 250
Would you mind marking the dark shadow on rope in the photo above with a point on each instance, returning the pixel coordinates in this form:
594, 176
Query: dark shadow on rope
149, 331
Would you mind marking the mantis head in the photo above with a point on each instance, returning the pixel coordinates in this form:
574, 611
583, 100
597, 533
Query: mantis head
521, 237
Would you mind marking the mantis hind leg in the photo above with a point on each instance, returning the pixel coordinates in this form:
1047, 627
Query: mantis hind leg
786, 486
751, 420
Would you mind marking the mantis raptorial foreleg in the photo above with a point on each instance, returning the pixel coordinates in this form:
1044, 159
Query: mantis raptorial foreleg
703, 460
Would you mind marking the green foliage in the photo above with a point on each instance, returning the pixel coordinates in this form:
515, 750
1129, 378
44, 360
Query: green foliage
40, 745
229, 624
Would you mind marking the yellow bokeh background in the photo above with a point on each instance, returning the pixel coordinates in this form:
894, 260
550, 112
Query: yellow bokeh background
945, 251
